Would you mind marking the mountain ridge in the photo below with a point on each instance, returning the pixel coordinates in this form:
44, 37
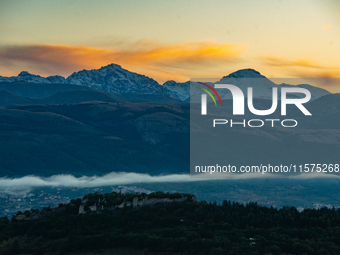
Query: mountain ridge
113, 78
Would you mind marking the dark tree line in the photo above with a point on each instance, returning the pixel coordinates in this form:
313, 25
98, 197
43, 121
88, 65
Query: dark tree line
183, 228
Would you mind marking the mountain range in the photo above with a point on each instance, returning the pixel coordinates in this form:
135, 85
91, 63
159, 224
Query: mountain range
121, 121
113, 78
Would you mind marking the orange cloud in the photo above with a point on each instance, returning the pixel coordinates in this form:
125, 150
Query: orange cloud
302, 68
311, 72
280, 62
328, 27
331, 74
161, 62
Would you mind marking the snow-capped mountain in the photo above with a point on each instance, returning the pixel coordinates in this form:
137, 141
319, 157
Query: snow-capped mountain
179, 91
25, 76
262, 87
244, 73
56, 79
113, 78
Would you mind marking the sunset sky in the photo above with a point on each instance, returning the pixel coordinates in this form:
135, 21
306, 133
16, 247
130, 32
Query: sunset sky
172, 40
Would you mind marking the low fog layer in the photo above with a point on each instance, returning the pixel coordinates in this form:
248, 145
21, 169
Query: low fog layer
25, 184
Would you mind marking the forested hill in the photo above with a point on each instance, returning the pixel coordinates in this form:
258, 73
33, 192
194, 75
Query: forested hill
187, 227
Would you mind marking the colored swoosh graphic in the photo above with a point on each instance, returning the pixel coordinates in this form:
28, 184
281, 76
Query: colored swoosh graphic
208, 86
209, 95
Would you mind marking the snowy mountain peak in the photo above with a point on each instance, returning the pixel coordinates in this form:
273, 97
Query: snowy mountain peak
179, 91
25, 76
113, 78
56, 79
112, 65
25, 73
245, 73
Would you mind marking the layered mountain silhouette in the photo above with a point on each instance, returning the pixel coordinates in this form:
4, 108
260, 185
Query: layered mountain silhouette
110, 119
113, 78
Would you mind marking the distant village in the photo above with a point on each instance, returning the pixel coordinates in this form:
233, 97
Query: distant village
10, 204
